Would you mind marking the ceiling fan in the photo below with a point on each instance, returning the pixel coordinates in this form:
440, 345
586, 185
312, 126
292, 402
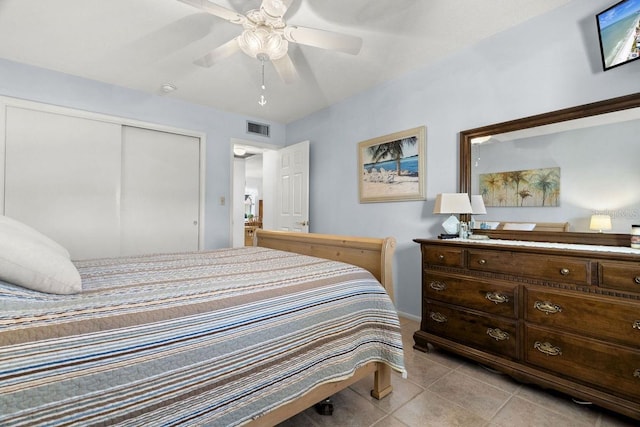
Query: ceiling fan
266, 36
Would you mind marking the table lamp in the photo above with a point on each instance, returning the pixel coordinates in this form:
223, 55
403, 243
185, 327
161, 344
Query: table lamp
600, 223
453, 203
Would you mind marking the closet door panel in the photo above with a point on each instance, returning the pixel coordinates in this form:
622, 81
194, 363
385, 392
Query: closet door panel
160, 191
62, 177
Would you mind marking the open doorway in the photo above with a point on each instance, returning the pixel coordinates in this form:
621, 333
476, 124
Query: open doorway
252, 188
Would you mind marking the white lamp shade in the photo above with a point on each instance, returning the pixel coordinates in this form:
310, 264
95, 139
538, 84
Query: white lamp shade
450, 203
477, 205
600, 222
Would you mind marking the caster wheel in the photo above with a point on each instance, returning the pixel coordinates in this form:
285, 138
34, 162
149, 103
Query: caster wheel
325, 407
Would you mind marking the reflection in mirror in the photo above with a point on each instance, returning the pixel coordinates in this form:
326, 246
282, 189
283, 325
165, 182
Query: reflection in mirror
559, 167
249, 206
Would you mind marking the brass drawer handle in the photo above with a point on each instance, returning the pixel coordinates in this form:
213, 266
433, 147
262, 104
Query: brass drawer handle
441, 257
547, 307
496, 297
436, 285
637, 280
547, 348
438, 317
636, 324
497, 334
482, 261
637, 373
564, 271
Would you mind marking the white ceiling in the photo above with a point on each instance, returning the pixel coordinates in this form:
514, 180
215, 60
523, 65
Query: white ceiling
143, 44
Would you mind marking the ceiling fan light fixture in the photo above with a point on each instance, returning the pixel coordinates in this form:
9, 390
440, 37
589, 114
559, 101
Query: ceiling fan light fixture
261, 41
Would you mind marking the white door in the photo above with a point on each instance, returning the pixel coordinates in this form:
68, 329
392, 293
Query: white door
292, 190
160, 191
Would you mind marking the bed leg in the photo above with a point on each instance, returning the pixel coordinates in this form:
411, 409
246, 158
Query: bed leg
325, 407
382, 381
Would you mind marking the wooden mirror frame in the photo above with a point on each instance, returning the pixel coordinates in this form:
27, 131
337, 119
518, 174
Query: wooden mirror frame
581, 111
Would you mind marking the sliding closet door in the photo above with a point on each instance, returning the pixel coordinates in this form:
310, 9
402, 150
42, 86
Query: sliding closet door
160, 191
62, 177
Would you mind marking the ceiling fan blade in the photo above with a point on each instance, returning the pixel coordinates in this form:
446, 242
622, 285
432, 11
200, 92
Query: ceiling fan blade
219, 53
275, 8
286, 70
219, 11
323, 39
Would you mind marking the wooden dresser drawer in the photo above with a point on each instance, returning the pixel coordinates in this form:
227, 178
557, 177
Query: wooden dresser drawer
492, 334
443, 256
491, 297
597, 316
547, 267
591, 315
624, 276
613, 367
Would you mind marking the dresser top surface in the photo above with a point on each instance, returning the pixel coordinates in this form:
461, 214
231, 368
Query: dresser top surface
498, 243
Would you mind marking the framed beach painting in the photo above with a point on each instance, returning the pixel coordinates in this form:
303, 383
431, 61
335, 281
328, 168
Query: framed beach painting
392, 167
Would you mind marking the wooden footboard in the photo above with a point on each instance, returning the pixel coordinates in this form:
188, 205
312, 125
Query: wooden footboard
374, 255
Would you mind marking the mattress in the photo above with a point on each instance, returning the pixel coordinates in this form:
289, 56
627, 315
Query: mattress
215, 337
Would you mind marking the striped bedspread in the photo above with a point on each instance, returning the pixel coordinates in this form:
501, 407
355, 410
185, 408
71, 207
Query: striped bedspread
208, 338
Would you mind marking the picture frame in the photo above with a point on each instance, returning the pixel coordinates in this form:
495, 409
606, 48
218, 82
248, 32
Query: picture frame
392, 168
619, 33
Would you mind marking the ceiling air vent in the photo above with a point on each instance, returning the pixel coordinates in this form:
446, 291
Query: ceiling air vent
257, 128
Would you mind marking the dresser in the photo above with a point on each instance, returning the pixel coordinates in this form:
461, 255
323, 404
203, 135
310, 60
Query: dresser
563, 316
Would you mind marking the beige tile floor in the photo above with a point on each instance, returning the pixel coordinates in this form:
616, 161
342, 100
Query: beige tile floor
445, 390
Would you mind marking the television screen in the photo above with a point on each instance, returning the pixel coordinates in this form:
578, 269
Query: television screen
619, 33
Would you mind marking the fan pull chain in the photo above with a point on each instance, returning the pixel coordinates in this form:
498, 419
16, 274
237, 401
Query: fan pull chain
262, 100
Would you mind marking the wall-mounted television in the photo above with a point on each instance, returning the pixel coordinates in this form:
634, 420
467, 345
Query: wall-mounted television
619, 33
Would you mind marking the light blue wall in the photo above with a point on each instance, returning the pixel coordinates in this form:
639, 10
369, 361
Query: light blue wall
36, 84
548, 63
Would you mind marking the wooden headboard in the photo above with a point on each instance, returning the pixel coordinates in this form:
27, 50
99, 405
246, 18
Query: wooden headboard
372, 254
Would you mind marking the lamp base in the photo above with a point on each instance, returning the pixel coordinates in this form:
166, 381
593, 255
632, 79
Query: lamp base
451, 225
448, 236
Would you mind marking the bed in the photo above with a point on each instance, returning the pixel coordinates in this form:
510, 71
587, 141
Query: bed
244, 336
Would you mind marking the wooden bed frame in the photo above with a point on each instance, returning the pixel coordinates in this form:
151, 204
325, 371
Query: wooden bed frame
374, 255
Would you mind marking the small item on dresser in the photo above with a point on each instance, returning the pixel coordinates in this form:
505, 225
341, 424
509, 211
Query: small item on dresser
635, 236
448, 236
478, 237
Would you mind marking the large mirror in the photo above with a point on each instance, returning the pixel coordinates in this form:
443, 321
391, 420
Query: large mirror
559, 167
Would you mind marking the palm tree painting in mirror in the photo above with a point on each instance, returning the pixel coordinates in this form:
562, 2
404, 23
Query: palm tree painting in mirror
392, 167
522, 188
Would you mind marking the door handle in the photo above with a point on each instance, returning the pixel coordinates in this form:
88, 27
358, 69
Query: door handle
304, 223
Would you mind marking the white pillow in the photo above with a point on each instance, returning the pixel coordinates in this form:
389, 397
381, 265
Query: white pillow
518, 226
5, 221
27, 262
